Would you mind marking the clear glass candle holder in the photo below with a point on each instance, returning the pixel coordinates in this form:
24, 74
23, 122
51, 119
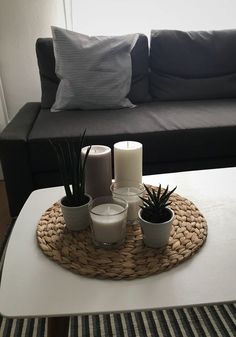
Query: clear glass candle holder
108, 221
131, 193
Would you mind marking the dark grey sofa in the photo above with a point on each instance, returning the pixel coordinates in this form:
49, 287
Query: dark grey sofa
184, 88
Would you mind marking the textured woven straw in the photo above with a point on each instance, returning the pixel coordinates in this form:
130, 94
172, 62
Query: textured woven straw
75, 250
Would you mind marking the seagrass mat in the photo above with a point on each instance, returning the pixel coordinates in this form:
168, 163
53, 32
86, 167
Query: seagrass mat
76, 252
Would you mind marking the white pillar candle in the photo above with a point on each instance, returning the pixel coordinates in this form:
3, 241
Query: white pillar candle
128, 159
98, 174
108, 221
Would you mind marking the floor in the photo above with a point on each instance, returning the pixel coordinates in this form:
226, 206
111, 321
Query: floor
5, 218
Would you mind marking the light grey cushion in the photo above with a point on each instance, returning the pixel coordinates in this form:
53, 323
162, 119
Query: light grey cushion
95, 71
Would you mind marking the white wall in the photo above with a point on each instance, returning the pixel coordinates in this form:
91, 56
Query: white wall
3, 116
3, 108
128, 16
21, 23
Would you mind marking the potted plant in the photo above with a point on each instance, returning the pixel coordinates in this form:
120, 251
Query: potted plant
156, 217
74, 204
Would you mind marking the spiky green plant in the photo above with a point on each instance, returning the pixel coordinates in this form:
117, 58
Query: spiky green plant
154, 208
72, 168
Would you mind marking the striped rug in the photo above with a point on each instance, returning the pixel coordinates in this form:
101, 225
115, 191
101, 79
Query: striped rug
213, 321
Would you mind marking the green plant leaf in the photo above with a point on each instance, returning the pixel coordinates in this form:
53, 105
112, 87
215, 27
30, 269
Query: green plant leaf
149, 192
146, 201
154, 206
72, 170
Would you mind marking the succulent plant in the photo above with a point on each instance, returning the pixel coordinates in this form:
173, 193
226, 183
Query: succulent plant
155, 206
72, 168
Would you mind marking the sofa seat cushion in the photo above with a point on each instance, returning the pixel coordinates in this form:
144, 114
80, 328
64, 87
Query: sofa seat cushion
169, 131
193, 65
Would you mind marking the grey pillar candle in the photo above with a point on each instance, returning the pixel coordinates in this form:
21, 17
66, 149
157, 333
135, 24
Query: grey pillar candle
98, 173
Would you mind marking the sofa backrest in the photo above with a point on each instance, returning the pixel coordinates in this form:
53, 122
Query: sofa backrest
181, 66
139, 91
192, 65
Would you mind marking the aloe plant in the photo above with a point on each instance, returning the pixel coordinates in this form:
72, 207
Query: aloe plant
72, 168
155, 206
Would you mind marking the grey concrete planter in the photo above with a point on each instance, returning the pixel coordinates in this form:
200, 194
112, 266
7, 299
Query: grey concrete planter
76, 218
156, 235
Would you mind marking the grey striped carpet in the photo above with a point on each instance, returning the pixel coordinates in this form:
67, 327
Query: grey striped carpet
213, 321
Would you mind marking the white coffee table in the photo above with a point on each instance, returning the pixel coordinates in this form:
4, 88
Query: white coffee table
33, 285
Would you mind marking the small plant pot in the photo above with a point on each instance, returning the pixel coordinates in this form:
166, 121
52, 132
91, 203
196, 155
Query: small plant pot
76, 218
156, 235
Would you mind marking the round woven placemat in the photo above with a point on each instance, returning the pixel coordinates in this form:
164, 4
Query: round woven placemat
75, 250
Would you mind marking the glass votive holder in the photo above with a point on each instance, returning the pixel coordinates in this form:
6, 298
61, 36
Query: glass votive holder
130, 192
108, 221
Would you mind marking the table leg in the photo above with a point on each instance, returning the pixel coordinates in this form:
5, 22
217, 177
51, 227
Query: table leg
58, 326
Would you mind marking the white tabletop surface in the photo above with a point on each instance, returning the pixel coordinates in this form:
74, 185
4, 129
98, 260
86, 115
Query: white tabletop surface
33, 285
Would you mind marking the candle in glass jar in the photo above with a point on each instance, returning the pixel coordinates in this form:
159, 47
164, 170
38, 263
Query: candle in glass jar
128, 161
108, 222
131, 195
98, 172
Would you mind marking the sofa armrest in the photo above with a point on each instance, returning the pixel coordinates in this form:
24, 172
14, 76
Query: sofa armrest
14, 156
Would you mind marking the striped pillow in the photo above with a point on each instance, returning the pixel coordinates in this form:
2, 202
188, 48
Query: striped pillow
94, 72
